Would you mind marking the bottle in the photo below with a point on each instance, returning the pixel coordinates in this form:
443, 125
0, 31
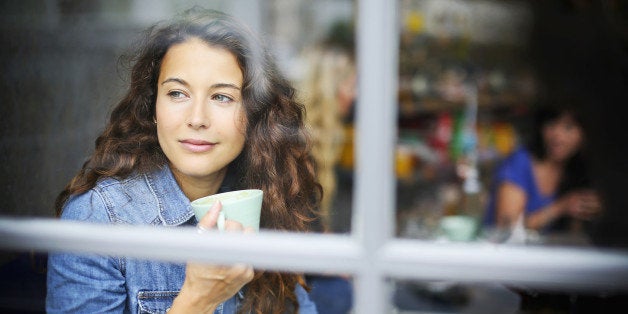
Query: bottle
471, 208
471, 188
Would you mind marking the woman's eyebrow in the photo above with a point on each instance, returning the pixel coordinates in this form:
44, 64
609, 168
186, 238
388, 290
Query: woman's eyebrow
176, 80
225, 85
217, 85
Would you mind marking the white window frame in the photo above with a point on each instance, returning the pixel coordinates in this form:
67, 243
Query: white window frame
371, 254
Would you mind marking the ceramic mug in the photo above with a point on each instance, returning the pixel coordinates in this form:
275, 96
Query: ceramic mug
243, 206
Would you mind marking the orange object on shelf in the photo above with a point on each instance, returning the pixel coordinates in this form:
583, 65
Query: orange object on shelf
505, 138
404, 163
347, 152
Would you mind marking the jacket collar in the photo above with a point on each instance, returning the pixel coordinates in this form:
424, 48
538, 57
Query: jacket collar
174, 207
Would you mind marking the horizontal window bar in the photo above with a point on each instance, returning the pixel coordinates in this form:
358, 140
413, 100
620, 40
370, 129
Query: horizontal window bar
268, 250
562, 268
546, 267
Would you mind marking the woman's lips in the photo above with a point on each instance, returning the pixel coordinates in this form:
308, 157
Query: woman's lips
197, 146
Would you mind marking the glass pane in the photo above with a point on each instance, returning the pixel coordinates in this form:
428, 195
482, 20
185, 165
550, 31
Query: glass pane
465, 90
22, 282
63, 73
450, 297
332, 293
415, 297
59, 85
483, 92
324, 70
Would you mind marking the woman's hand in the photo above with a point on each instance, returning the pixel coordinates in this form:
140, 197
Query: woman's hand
582, 204
206, 286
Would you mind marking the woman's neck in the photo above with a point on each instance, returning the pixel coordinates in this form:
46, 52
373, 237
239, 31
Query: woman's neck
548, 174
197, 187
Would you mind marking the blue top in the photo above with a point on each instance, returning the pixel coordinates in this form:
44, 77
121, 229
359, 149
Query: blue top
91, 283
517, 169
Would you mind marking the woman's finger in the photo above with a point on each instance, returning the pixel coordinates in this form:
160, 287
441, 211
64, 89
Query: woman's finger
211, 217
243, 271
232, 225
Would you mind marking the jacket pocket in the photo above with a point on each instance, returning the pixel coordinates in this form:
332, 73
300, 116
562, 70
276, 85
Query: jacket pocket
155, 302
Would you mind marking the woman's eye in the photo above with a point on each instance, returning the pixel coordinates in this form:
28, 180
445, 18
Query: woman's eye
176, 94
222, 98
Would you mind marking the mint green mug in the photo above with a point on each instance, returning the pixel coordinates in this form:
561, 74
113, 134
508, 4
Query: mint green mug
243, 206
459, 227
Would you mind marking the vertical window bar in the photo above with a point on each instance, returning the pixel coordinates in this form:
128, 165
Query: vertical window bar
373, 213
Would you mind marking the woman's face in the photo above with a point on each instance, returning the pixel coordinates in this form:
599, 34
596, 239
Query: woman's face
199, 112
562, 137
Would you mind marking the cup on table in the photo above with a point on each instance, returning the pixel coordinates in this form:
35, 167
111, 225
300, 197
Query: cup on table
459, 227
243, 206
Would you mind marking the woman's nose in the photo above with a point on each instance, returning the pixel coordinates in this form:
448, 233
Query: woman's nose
198, 116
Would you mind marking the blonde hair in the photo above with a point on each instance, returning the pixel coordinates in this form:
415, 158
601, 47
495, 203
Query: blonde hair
329, 70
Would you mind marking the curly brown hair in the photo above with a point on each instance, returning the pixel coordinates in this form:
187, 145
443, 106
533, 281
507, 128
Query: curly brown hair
276, 157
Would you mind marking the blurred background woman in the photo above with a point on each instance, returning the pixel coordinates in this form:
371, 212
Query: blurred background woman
328, 89
545, 186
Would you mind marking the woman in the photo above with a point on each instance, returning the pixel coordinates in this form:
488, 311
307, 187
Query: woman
329, 91
206, 112
546, 187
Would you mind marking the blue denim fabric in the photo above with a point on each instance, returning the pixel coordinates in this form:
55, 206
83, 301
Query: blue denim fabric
331, 294
91, 283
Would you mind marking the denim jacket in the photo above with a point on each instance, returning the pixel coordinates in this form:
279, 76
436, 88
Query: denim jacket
91, 283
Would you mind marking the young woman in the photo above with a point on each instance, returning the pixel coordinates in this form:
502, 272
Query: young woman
207, 111
545, 186
328, 89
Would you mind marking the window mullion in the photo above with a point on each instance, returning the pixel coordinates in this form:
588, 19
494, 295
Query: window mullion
373, 213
